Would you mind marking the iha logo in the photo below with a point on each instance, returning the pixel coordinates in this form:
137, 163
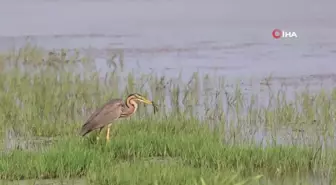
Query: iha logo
277, 34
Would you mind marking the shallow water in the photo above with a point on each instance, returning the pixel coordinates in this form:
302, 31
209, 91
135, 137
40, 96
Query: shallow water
222, 37
230, 38
218, 37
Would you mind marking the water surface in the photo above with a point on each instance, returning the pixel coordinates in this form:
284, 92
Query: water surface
226, 37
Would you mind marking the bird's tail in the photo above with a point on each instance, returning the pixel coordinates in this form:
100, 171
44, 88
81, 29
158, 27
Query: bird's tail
85, 130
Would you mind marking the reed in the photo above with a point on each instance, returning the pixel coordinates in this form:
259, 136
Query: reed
206, 130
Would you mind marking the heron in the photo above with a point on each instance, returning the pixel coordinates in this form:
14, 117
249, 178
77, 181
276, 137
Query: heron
113, 110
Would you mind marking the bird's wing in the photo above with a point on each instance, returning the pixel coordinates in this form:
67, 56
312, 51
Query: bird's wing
103, 116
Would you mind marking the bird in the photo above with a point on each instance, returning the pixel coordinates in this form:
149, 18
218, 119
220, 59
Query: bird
113, 110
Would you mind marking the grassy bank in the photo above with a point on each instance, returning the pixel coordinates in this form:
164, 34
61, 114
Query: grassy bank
205, 129
175, 152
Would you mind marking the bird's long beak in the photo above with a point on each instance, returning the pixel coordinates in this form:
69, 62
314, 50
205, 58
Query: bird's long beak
144, 100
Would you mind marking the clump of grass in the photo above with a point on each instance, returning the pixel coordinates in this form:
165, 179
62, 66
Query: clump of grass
182, 150
205, 124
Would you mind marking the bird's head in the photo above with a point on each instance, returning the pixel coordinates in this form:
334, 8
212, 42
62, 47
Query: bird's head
140, 98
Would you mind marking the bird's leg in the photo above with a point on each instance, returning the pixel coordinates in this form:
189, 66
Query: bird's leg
108, 133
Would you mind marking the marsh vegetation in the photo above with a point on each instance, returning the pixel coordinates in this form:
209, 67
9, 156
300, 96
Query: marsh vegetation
207, 131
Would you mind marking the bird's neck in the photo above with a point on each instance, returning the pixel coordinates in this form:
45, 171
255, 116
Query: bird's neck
131, 108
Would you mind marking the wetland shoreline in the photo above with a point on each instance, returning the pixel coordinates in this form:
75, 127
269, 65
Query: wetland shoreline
206, 129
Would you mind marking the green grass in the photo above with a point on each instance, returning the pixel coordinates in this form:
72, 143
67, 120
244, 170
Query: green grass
206, 131
157, 151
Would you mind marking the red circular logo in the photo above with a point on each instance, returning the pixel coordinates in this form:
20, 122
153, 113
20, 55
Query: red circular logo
276, 33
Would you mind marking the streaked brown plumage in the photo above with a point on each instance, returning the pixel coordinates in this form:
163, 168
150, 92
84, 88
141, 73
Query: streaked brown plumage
112, 110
